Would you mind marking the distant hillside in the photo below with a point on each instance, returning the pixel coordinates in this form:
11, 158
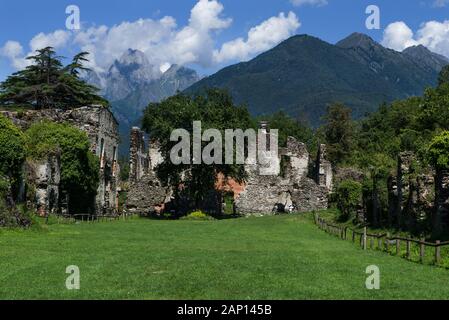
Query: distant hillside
304, 74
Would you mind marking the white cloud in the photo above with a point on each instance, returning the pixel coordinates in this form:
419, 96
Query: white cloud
440, 3
161, 40
260, 38
57, 39
318, 3
164, 42
13, 50
398, 36
432, 34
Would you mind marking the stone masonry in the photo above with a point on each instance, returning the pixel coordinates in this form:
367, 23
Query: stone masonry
102, 130
290, 190
281, 184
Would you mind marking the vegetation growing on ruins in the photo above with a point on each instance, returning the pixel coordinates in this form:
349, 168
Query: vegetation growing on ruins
215, 110
79, 166
12, 156
418, 124
12, 148
47, 83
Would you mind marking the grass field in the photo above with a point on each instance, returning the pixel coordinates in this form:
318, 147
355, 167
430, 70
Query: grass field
282, 257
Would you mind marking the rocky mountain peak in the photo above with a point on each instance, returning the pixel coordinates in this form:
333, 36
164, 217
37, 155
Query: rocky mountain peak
357, 40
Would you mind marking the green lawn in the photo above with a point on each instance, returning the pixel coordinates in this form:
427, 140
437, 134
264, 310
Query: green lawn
283, 257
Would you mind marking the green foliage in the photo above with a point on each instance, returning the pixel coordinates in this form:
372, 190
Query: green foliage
338, 132
46, 83
14, 217
12, 148
438, 151
349, 198
215, 110
197, 215
443, 77
79, 167
124, 168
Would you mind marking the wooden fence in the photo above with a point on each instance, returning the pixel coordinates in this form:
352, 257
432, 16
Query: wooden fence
384, 241
89, 218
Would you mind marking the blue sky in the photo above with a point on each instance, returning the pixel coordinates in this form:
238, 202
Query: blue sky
212, 45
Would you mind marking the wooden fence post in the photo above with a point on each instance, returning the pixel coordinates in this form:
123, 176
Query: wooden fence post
364, 238
387, 242
421, 250
408, 249
398, 247
437, 252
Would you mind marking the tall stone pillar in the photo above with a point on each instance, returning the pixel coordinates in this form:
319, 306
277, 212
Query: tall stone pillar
405, 161
440, 216
324, 174
138, 159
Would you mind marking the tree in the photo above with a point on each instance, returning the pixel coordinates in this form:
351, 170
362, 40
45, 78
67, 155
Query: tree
443, 77
338, 132
349, 198
79, 166
47, 84
215, 110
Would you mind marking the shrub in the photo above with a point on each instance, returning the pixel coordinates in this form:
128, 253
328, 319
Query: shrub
12, 149
197, 215
437, 152
348, 197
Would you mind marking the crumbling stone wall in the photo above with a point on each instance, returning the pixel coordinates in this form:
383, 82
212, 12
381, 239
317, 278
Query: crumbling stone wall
146, 195
410, 194
138, 159
102, 130
290, 189
324, 174
280, 183
45, 175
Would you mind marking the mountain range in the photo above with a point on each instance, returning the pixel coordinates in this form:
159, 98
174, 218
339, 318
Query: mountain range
304, 74
301, 76
132, 82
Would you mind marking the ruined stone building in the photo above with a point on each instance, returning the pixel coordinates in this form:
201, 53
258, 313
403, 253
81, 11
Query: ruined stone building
290, 181
292, 189
102, 130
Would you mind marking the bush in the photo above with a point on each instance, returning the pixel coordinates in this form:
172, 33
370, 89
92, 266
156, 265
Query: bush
197, 215
437, 152
12, 150
348, 197
14, 217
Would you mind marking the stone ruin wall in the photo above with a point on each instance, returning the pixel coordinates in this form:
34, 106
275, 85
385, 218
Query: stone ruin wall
292, 189
146, 195
138, 159
267, 191
102, 130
